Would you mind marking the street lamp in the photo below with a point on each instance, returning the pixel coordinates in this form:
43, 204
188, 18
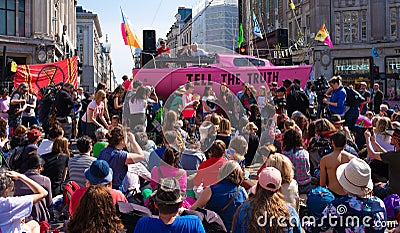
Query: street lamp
106, 47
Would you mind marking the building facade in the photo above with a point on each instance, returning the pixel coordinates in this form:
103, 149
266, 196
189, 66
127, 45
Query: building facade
215, 23
36, 31
95, 56
354, 27
181, 31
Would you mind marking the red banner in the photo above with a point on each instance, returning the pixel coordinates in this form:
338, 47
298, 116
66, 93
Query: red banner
42, 75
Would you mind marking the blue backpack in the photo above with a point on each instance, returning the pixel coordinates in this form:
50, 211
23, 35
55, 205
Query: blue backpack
318, 199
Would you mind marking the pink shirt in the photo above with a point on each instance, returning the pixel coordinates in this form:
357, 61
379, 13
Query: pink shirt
168, 171
96, 108
4, 106
127, 85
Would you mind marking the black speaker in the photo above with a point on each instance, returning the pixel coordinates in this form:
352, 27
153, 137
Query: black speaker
149, 40
146, 57
283, 39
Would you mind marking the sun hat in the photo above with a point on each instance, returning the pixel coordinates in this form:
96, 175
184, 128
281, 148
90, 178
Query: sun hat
355, 177
270, 179
394, 133
180, 91
34, 134
99, 173
227, 169
363, 83
337, 119
169, 192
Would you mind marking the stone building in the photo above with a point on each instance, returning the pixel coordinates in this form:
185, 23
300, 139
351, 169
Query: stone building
36, 31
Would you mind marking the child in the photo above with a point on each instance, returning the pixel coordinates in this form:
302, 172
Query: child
115, 121
262, 98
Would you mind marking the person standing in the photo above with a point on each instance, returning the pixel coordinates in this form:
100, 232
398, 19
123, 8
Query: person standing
29, 115
17, 106
65, 108
377, 99
95, 109
4, 105
163, 50
338, 98
367, 96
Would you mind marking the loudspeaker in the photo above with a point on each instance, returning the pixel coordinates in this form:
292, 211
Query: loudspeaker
283, 39
145, 58
149, 40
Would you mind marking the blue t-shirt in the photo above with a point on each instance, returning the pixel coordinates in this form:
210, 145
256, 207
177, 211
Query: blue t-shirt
243, 217
356, 214
338, 96
155, 157
182, 224
116, 159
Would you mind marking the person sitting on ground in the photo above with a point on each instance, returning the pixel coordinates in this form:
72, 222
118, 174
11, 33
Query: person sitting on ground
224, 131
330, 163
117, 157
78, 164
207, 173
101, 143
30, 148
142, 139
100, 174
40, 210
95, 213
192, 157
56, 164
13, 209
359, 203
293, 149
168, 200
169, 138
19, 138
289, 189
225, 196
46, 145
268, 202
169, 167
250, 133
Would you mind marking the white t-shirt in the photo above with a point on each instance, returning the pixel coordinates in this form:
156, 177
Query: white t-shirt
199, 52
45, 147
261, 101
96, 108
12, 210
138, 106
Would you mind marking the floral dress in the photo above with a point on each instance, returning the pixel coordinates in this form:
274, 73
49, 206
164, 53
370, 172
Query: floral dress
351, 214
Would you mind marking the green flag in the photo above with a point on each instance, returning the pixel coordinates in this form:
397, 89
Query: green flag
240, 37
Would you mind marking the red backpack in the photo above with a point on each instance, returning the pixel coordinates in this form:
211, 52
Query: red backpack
69, 189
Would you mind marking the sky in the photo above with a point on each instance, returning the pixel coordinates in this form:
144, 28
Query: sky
156, 15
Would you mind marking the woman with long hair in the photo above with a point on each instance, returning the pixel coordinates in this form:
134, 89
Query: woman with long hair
289, 187
95, 109
116, 101
169, 167
225, 196
117, 157
266, 210
207, 101
224, 131
294, 150
95, 213
56, 164
138, 106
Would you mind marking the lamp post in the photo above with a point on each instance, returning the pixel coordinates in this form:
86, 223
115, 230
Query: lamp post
106, 47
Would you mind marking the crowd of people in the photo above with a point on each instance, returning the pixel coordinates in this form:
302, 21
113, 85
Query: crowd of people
276, 153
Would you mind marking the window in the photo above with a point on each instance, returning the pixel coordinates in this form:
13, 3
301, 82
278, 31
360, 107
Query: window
248, 62
350, 26
393, 23
9, 12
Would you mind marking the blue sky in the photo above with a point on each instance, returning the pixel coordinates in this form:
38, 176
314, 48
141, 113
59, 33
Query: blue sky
143, 15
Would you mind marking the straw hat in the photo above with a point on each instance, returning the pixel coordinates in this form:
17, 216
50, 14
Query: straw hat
336, 119
180, 91
355, 177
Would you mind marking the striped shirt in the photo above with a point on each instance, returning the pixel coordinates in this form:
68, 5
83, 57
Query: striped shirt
77, 166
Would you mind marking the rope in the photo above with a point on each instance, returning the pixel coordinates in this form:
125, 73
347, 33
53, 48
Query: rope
155, 15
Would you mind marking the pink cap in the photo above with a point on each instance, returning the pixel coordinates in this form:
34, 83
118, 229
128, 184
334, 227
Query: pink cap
270, 179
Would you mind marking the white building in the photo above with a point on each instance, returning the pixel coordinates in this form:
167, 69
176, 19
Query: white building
216, 23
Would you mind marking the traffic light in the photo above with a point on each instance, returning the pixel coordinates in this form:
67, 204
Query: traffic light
375, 72
80, 71
242, 50
11, 68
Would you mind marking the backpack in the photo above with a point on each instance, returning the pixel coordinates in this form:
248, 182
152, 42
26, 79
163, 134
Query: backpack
318, 199
14, 158
211, 221
391, 202
353, 97
69, 190
130, 214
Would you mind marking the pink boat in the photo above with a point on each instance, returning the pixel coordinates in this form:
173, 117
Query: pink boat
232, 69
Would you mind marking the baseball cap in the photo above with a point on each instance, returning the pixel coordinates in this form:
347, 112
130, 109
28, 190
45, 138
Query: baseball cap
99, 173
270, 179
